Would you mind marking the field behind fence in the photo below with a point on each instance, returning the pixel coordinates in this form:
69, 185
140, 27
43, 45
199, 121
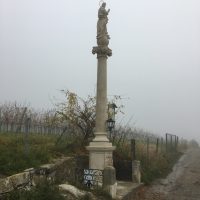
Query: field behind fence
28, 127
138, 145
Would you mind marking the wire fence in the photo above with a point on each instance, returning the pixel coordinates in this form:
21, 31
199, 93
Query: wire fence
152, 145
29, 127
151, 151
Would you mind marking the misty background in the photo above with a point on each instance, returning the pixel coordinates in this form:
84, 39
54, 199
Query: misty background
45, 46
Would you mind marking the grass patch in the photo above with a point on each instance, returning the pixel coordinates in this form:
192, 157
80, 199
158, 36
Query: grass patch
158, 166
16, 155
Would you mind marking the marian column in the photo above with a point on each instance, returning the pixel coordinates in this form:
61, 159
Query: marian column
100, 149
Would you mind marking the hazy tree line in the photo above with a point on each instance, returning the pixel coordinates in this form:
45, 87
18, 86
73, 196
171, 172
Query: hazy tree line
14, 115
75, 115
14, 112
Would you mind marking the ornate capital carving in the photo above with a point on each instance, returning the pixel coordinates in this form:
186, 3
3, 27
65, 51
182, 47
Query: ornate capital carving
102, 51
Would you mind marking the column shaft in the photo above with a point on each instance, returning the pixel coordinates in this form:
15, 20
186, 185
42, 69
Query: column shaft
101, 101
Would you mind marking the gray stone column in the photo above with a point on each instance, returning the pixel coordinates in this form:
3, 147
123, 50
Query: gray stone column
101, 101
100, 149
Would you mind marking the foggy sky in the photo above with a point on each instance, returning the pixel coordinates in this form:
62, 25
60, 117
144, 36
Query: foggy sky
45, 46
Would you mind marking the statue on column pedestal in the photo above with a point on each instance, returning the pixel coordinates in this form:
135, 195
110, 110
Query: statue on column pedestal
100, 149
102, 34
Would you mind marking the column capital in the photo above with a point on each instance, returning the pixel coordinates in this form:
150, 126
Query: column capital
102, 51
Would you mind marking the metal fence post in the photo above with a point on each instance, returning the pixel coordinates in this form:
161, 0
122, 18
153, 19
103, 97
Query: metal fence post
7, 125
171, 143
26, 139
0, 120
133, 155
157, 144
147, 151
176, 143
161, 145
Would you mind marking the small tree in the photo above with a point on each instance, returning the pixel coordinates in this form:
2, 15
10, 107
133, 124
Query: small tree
81, 113
78, 112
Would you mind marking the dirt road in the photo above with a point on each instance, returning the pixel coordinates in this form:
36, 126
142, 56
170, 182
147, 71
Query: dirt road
182, 184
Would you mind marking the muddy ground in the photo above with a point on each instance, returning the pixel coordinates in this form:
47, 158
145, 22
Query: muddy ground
182, 184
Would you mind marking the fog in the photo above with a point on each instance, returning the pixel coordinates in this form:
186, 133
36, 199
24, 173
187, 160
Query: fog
45, 46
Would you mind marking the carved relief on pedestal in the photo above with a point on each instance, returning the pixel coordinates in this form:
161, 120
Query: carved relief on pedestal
108, 159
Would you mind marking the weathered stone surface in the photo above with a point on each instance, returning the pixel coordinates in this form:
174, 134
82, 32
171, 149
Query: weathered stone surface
67, 188
102, 51
136, 174
62, 169
109, 176
100, 156
102, 34
14, 181
109, 181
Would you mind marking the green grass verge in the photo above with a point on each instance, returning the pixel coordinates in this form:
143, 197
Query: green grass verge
158, 167
16, 154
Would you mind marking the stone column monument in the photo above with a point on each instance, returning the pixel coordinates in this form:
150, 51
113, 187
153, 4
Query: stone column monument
100, 149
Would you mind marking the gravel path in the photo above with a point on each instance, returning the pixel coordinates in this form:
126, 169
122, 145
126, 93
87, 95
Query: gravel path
182, 184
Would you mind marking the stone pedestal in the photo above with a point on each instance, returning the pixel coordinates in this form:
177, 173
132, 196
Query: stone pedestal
109, 181
136, 173
100, 155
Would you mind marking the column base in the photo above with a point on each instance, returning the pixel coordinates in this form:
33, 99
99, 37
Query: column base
101, 137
